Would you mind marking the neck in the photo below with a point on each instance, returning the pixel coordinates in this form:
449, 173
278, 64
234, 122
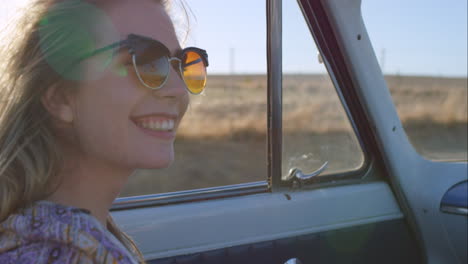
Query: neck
91, 185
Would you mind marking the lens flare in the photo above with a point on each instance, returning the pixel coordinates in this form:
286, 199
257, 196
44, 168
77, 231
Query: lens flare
69, 31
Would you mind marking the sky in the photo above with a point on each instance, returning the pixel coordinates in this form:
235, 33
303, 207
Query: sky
416, 37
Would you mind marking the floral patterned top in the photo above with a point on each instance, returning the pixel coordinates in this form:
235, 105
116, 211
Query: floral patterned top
52, 233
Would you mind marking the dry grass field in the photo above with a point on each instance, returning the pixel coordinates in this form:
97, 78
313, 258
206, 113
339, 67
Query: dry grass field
222, 139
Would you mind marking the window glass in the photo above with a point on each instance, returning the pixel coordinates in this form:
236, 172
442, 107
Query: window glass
422, 49
316, 128
222, 139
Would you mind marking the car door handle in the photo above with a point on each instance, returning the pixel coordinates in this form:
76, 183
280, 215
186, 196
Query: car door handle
297, 174
455, 200
293, 261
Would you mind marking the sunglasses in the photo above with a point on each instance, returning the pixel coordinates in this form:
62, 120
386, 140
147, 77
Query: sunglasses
152, 61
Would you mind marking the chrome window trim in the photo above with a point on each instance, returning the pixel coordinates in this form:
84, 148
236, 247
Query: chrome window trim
123, 203
275, 83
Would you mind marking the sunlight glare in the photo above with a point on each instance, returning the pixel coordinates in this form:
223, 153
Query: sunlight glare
9, 12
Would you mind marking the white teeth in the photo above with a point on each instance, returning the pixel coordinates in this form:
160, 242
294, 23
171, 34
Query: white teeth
158, 125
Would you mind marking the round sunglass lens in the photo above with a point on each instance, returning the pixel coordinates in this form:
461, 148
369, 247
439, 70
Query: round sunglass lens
194, 72
152, 69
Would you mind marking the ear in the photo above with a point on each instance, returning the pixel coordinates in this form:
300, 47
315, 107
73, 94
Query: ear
58, 103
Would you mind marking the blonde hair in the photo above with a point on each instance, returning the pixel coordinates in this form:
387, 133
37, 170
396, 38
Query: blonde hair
29, 152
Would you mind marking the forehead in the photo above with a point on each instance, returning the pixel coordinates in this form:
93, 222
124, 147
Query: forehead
142, 17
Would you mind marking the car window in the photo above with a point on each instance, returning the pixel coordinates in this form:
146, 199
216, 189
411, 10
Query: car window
421, 46
316, 128
222, 138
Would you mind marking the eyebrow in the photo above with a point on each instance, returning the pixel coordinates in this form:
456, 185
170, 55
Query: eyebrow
174, 53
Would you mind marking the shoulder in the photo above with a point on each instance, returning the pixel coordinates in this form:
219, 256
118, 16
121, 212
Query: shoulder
42, 252
51, 233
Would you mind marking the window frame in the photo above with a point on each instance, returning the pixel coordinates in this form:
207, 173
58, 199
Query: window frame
338, 71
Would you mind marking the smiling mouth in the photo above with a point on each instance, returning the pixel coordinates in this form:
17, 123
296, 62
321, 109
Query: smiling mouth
161, 122
160, 125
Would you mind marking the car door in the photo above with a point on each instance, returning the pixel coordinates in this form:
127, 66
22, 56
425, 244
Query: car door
429, 173
308, 209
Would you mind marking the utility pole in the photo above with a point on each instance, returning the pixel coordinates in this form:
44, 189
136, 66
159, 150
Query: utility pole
232, 93
232, 61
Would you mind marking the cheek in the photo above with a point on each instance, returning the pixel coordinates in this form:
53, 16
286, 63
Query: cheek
184, 103
100, 125
102, 122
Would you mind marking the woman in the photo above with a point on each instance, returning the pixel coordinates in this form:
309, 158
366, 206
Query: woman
92, 91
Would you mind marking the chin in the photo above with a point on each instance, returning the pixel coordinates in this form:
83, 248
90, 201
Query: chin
152, 157
157, 162
162, 165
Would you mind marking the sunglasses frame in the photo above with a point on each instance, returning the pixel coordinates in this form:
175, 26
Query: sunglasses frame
131, 43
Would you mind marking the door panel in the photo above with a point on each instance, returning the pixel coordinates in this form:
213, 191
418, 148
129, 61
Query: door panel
356, 221
357, 244
419, 184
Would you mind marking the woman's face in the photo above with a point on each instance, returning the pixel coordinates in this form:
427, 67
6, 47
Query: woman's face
110, 112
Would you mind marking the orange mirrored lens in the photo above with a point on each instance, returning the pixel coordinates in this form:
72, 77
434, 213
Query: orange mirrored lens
194, 72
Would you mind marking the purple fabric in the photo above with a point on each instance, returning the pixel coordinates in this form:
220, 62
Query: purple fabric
52, 233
